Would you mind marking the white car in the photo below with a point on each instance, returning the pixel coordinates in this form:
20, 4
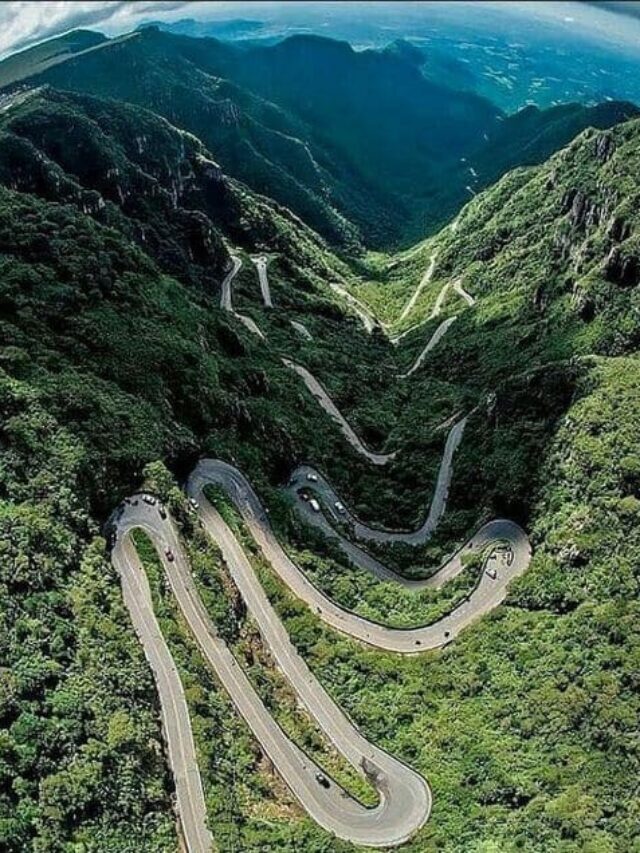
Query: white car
315, 506
193, 503
149, 500
313, 478
492, 573
339, 507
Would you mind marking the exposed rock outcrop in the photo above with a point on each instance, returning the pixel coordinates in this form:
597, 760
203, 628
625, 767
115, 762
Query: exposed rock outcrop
622, 268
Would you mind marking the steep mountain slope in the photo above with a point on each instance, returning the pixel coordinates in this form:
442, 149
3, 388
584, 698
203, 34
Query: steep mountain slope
525, 139
109, 362
28, 62
256, 141
159, 186
354, 143
537, 755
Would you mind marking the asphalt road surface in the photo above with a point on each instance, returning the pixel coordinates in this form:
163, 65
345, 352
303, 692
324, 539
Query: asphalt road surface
404, 796
226, 300
332, 410
261, 262
176, 724
488, 593
304, 474
302, 329
459, 289
368, 320
424, 281
439, 333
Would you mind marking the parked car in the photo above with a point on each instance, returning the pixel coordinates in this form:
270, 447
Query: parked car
315, 506
193, 503
313, 478
493, 574
340, 507
169, 555
162, 511
148, 499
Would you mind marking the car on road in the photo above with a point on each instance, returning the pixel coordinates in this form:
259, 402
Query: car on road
340, 507
193, 503
493, 574
148, 499
315, 506
321, 779
162, 511
312, 478
169, 555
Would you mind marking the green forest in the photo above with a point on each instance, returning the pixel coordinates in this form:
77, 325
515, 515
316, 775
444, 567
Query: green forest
119, 370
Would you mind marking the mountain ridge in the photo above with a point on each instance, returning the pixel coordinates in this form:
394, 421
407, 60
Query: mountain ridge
377, 161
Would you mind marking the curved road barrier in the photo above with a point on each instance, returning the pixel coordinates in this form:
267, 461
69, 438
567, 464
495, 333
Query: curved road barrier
405, 797
332, 410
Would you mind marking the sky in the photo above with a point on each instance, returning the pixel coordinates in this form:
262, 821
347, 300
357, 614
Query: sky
30, 21
23, 23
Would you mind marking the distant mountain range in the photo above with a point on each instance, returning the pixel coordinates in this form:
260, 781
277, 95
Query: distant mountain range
358, 144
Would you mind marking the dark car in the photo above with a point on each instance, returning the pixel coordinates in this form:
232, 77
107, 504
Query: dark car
321, 779
169, 555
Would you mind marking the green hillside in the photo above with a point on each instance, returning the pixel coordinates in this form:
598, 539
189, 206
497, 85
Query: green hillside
360, 145
119, 368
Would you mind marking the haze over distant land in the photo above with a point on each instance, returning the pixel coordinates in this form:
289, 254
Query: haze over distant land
513, 53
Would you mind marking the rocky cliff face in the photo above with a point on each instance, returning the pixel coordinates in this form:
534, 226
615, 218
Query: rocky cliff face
156, 184
132, 171
561, 241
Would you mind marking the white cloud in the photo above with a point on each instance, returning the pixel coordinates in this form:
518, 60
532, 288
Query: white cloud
28, 21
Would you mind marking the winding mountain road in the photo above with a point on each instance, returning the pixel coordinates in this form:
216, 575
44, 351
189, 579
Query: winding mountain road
261, 262
176, 724
332, 410
302, 330
404, 795
226, 300
304, 474
424, 281
368, 320
435, 338
459, 289
488, 593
